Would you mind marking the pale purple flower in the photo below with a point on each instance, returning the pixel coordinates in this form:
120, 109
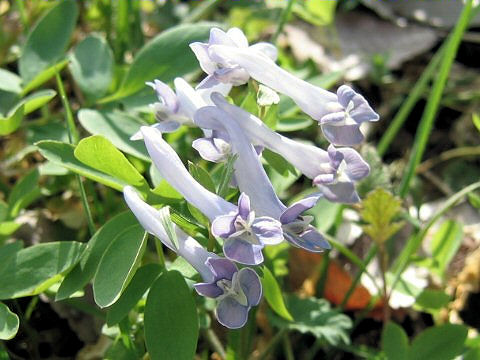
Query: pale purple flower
334, 172
246, 242
340, 115
252, 180
177, 108
235, 290
221, 70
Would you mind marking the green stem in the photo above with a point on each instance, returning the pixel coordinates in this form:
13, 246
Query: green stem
270, 346
161, 256
23, 14
283, 20
287, 346
429, 114
73, 138
215, 342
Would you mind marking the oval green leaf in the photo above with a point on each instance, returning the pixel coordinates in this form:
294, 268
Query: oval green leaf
86, 268
92, 66
273, 294
8, 323
171, 322
12, 122
116, 127
394, 342
47, 41
165, 57
100, 154
118, 265
38, 266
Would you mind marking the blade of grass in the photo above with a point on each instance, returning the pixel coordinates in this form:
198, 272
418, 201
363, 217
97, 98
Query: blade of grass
429, 114
415, 241
73, 138
283, 20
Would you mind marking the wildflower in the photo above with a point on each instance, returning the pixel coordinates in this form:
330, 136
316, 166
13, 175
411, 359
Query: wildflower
177, 108
235, 290
340, 115
222, 70
248, 235
334, 171
253, 180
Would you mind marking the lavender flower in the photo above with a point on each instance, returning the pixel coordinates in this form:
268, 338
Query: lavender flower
177, 108
235, 290
340, 115
244, 234
221, 70
253, 181
334, 172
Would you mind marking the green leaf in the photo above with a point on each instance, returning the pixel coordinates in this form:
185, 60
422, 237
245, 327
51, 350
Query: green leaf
442, 342
202, 176
37, 267
277, 162
92, 66
10, 82
316, 317
226, 176
273, 294
141, 282
293, 123
394, 342
444, 246
171, 323
8, 228
24, 193
86, 268
36, 100
9, 323
12, 122
47, 41
164, 57
167, 191
118, 265
44, 76
116, 127
379, 209
8, 253
62, 154
431, 300
322, 12
476, 120
100, 154
325, 212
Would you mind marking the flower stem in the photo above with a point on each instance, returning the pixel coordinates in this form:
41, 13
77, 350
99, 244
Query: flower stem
283, 19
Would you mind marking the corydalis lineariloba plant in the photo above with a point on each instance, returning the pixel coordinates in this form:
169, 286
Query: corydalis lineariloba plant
259, 219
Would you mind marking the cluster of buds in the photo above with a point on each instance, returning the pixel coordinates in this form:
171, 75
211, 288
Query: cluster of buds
260, 218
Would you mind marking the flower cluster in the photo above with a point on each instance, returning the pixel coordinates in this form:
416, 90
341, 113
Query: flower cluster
259, 218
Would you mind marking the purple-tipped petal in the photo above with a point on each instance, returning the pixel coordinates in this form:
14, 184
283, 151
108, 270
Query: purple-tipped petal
243, 205
219, 37
336, 156
221, 268
231, 314
168, 126
324, 179
342, 192
310, 240
208, 290
251, 286
224, 226
165, 94
361, 111
268, 230
345, 135
242, 251
207, 83
234, 75
357, 168
201, 52
212, 149
295, 210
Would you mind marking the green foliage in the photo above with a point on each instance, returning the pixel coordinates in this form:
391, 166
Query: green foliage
12, 122
92, 66
118, 265
171, 323
140, 283
394, 342
273, 294
379, 210
41, 50
315, 316
24, 193
34, 269
9, 323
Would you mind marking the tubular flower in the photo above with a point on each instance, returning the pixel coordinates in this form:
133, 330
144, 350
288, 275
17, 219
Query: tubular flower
334, 171
340, 115
245, 243
177, 108
222, 70
252, 180
235, 290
